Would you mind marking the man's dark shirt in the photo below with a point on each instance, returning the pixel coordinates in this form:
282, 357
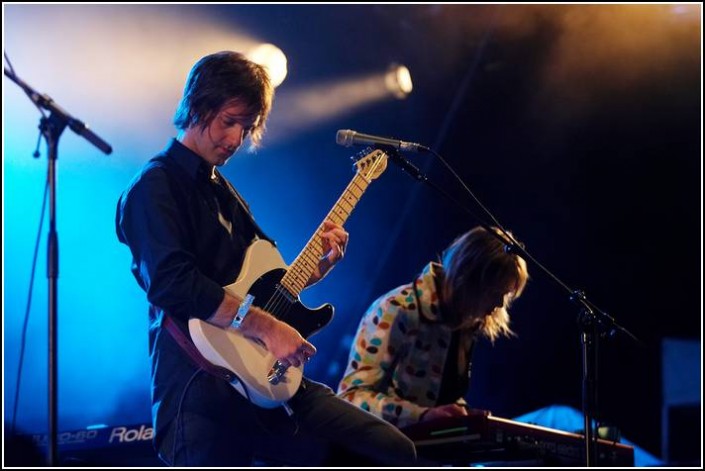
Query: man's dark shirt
173, 216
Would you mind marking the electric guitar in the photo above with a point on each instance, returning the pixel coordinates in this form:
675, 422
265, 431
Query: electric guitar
275, 288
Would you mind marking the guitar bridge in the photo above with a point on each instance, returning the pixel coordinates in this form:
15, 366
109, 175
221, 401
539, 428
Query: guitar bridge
276, 373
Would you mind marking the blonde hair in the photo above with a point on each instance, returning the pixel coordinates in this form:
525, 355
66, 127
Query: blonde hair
475, 263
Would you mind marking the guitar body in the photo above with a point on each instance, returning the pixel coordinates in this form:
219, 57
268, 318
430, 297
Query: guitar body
263, 269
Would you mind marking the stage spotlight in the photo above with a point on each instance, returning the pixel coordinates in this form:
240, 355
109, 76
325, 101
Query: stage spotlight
398, 81
273, 59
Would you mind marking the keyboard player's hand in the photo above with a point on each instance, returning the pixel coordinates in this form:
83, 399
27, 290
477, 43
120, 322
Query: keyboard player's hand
448, 410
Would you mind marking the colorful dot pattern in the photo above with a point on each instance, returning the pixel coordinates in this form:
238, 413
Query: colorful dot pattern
396, 361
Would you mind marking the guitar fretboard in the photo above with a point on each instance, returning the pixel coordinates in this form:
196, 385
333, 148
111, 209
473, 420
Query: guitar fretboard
303, 267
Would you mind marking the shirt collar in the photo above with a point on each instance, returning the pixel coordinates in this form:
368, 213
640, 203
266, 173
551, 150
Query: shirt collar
190, 161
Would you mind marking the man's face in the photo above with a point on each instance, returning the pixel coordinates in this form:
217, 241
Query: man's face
218, 141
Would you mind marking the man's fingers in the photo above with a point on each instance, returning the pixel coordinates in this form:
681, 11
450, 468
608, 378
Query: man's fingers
335, 234
307, 349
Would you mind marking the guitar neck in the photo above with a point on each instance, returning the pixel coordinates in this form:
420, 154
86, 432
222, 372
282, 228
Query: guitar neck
305, 264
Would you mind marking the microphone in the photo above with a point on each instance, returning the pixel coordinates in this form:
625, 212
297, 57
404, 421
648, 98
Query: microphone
347, 138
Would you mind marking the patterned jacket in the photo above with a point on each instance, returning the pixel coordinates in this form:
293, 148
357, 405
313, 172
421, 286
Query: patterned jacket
395, 368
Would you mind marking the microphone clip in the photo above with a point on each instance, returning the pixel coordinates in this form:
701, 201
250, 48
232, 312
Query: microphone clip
401, 161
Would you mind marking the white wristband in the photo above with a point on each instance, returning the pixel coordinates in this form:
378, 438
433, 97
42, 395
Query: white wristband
242, 311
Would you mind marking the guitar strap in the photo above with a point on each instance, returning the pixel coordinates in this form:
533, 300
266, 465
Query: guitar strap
243, 204
192, 352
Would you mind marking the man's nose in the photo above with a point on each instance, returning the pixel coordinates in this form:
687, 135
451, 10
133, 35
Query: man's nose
235, 136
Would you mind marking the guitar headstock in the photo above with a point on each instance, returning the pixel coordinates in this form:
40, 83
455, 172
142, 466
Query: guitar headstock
370, 163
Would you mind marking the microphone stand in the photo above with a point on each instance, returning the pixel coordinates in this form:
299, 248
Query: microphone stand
52, 128
412, 170
594, 323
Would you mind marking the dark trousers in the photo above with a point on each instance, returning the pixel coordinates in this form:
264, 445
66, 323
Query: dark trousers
216, 426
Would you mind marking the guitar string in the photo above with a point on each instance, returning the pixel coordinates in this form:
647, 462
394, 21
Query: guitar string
306, 257
280, 300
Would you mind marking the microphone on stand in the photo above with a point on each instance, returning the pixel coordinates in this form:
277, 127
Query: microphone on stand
347, 138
